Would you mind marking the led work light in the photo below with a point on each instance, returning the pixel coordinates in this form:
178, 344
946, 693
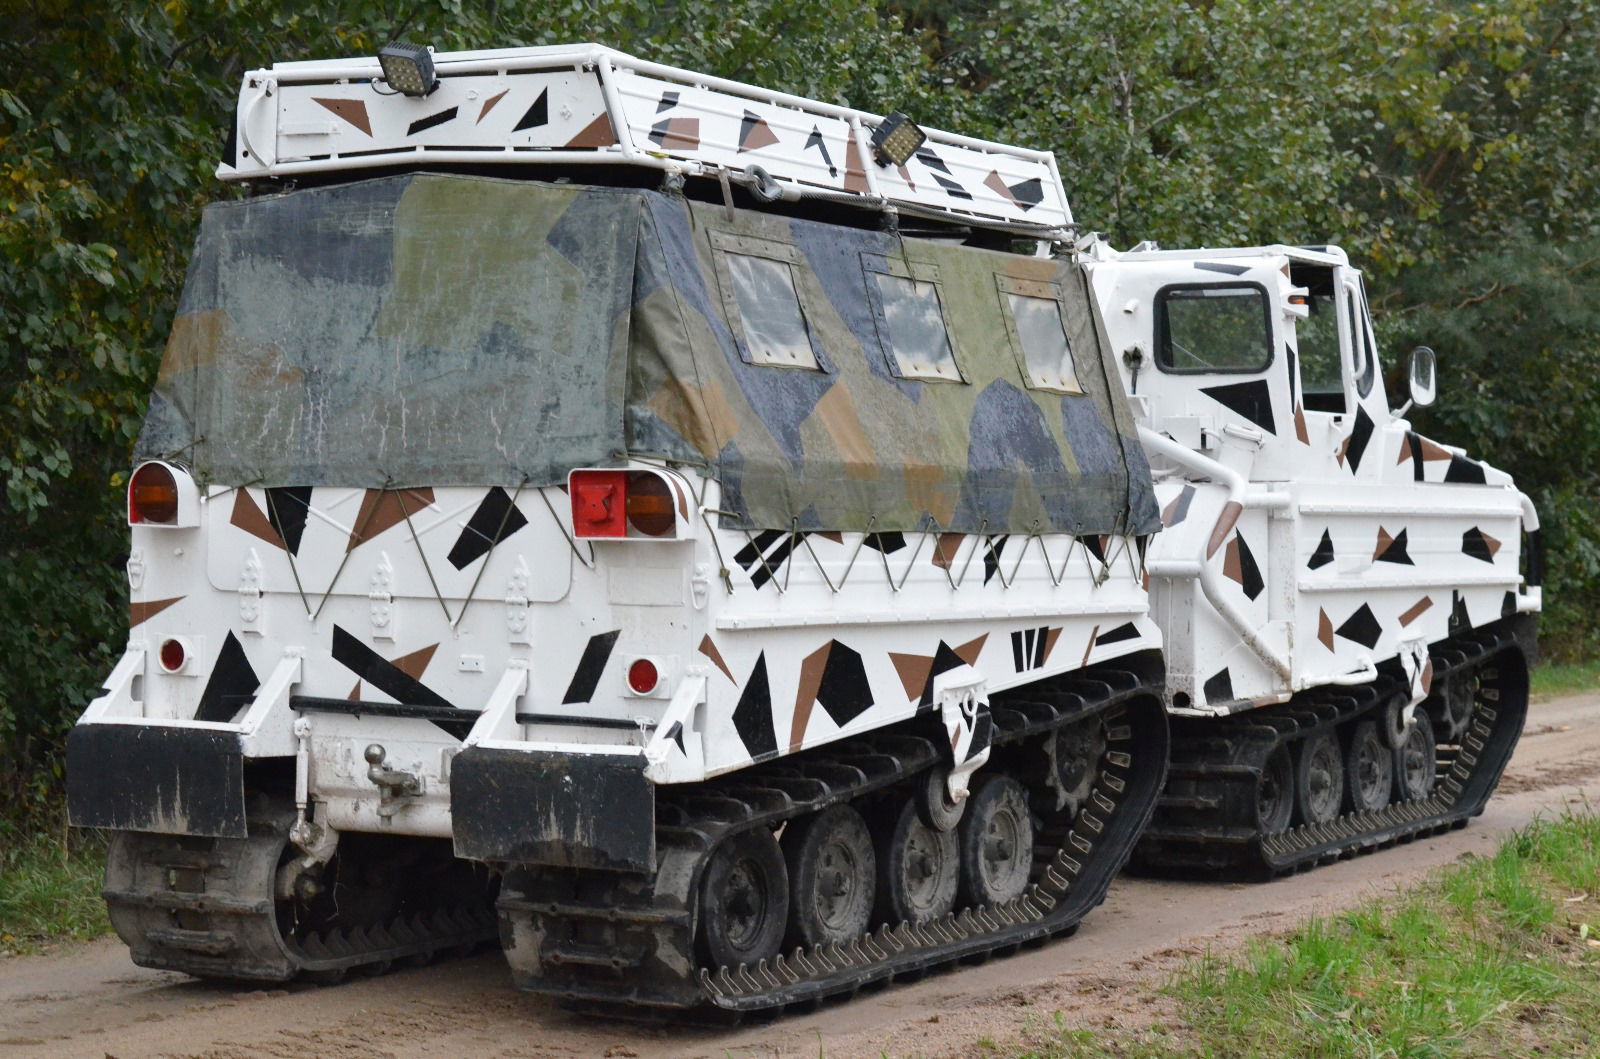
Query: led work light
408, 68
896, 140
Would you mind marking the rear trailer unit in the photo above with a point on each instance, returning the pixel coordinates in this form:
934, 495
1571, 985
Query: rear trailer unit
728, 608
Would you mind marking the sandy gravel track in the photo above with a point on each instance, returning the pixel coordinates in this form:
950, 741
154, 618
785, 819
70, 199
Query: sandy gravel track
91, 1001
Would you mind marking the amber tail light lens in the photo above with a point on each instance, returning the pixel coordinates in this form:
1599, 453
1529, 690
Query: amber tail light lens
649, 505
153, 496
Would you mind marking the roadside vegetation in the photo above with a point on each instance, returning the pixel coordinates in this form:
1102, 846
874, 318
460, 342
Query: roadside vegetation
50, 890
1492, 956
1551, 681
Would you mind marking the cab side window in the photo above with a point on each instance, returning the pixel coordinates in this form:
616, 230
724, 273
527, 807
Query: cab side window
1361, 342
1317, 340
1213, 328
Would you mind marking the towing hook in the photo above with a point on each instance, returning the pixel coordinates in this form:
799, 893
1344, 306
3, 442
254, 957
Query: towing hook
393, 784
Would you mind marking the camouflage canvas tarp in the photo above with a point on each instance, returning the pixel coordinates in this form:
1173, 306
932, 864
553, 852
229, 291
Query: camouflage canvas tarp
449, 330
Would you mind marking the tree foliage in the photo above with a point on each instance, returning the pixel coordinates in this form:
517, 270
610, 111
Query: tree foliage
1449, 145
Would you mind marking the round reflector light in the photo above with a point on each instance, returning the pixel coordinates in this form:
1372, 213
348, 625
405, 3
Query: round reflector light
642, 676
153, 495
172, 655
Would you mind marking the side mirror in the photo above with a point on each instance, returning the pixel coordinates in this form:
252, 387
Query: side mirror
1422, 376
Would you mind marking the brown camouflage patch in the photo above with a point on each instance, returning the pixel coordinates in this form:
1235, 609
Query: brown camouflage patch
1225, 523
1490, 543
139, 613
1094, 634
913, 672
969, 651
598, 133
855, 174
197, 339
1384, 541
1431, 451
1232, 568
995, 183
706, 429
811, 668
489, 104
928, 489
355, 693
413, 664
1300, 425
709, 649
756, 135
248, 516
677, 132
837, 414
1050, 638
944, 552
383, 509
1325, 629
1427, 677
352, 111
1413, 612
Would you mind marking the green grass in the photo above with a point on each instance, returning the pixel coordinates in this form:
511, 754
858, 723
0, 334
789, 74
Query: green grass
1547, 681
1493, 956
50, 890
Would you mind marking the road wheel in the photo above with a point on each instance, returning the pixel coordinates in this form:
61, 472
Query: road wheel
1275, 793
744, 900
1319, 779
1417, 760
996, 842
918, 871
1369, 768
832, 877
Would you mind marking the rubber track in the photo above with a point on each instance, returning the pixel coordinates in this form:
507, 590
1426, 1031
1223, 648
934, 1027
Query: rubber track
631, 944
206, 907
1205, 823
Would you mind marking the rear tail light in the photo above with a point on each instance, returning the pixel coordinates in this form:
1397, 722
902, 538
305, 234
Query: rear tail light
643, 676
173, 655
624, 504
153, 496
598, 503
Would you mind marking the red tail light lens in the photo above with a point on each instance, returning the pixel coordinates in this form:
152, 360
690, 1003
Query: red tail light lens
153, 496
172, 655
643, 676
599, 503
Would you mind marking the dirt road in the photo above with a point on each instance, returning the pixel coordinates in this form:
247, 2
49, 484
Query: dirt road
91, 1001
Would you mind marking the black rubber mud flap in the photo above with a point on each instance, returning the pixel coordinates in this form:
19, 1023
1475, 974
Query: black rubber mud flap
167, 780
561, 810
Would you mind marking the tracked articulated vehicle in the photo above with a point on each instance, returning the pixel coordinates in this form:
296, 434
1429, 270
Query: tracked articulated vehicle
705, 537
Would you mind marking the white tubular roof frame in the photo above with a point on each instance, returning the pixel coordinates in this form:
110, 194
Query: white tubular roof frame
586, 104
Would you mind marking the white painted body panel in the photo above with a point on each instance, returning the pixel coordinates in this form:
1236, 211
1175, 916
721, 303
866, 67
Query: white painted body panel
745, 659
1409, 557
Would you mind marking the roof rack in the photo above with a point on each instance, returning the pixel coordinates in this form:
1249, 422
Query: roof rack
587, 104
